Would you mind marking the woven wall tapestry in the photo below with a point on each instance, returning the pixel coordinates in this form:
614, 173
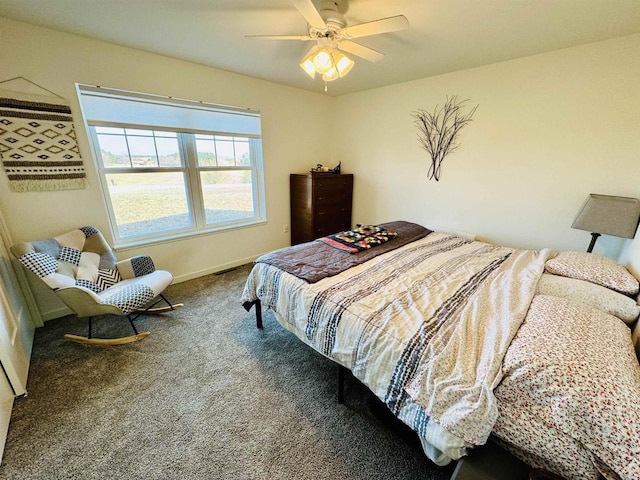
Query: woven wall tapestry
38, 143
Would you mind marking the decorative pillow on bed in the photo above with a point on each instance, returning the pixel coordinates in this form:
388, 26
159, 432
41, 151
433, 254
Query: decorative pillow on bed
595, 269
363, 237
579, 375
614, 303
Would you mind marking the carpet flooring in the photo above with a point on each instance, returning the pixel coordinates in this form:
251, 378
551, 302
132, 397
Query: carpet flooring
205, 396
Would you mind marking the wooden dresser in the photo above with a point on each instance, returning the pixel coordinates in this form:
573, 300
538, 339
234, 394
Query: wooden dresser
320, 205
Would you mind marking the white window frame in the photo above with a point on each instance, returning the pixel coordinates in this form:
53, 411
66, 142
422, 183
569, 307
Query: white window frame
193, 185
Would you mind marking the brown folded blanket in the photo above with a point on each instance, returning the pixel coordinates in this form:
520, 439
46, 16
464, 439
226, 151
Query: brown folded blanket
316, 260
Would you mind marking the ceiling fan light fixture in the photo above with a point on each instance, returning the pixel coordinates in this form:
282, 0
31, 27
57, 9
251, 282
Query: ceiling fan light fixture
323, 61
328, 62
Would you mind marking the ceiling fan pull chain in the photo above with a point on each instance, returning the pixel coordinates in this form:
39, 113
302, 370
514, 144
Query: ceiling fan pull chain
325, 87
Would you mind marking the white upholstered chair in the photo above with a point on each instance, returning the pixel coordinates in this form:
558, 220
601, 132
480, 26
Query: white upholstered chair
80, 267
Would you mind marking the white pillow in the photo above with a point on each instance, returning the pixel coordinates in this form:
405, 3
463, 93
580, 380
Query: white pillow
595, 269
614, 303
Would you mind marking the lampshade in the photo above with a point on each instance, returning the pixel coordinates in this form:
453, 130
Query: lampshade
605, 214
343, 63
323, 61
330, 75
307, 63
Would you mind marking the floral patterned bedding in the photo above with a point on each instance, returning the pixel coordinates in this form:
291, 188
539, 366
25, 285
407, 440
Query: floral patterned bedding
571, 392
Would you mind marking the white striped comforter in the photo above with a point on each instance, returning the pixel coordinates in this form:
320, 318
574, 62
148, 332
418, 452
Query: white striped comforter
425, 327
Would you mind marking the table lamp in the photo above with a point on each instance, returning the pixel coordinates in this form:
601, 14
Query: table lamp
609, 215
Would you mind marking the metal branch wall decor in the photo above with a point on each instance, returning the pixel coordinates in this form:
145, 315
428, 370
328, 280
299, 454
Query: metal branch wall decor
438, 131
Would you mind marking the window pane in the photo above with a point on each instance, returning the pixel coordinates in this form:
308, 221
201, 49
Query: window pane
242, 152
224, 149
143, 151
144, 133
161, 133
113, 149
148, 203
168, 154
206, 151
227, 195
118, 131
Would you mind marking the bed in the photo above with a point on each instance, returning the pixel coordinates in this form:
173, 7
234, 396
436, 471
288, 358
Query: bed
463, 340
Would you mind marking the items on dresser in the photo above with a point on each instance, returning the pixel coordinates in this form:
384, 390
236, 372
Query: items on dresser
320, 205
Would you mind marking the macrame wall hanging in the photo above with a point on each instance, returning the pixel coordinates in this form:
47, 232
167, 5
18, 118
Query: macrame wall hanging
38, 144
438, 131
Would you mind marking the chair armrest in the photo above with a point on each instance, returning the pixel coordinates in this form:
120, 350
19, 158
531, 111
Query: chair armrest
135, 266
84, 302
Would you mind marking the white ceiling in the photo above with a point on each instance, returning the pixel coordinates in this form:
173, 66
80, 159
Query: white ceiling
444, 35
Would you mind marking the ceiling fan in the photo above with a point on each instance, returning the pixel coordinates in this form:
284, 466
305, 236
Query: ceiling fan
332, 36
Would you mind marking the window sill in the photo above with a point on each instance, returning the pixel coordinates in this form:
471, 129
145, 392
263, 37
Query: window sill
136, 243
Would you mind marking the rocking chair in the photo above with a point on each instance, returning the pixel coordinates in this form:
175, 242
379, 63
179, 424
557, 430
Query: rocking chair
80, 267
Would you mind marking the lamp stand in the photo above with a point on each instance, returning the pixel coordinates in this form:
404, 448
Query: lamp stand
594, 237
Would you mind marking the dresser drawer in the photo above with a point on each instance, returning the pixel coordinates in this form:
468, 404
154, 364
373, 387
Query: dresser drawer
325, 189
335, 183
333, 221
330, 229
335, 212
332, 198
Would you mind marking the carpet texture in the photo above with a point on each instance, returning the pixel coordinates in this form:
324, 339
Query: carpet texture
205, 396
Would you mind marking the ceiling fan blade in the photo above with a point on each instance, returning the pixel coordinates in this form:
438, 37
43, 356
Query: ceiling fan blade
360, 51
384, 25
280, 37
310, 13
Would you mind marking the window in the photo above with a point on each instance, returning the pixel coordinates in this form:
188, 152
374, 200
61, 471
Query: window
186, 168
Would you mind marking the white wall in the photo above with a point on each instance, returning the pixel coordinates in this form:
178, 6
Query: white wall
549, 130
631, 256
294, 129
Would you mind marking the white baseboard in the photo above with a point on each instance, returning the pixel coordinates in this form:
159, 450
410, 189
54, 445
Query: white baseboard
216, 269
55, 313
6, 404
